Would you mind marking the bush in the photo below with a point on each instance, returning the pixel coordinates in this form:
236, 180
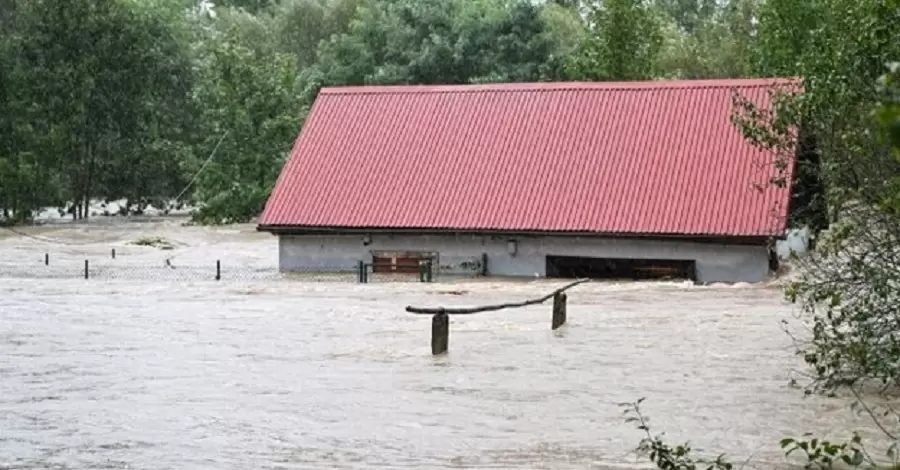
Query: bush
818, 454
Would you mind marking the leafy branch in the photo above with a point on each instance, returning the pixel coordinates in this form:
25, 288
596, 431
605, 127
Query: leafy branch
664, 456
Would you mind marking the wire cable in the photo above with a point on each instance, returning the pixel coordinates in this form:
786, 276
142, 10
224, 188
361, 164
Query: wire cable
74, 243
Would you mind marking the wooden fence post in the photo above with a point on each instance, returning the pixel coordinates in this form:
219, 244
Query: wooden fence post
86, 270
218, 270
46, 259
440, 320
559, 310
440, 333
113, 253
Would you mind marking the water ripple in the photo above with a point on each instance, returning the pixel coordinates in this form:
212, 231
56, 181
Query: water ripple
286, 375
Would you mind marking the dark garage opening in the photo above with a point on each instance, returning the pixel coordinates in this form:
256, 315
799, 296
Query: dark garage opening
620, 268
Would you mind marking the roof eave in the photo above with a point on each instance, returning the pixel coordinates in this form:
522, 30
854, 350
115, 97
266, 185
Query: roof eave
340, 230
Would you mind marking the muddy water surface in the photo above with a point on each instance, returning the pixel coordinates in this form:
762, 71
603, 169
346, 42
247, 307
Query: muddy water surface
198, 374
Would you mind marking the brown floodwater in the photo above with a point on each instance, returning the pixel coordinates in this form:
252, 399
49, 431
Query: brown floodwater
155, 372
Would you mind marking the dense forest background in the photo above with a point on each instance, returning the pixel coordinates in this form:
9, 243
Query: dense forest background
116, 99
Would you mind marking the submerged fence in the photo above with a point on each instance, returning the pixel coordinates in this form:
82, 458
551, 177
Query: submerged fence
120, 268
101, 270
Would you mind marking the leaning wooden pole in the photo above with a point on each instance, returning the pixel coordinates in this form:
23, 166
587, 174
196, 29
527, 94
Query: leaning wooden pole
440, 321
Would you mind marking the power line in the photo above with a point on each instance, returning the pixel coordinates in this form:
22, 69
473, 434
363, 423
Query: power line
203, 166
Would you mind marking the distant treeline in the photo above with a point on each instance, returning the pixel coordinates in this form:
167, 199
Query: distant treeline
127, 98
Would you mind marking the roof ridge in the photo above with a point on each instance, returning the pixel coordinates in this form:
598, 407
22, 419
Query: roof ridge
526, 87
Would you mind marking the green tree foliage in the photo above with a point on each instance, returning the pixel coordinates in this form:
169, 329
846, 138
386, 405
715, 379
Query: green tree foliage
18, 191
565, 28
888, 112
97, 92
689, 15
155, 121
847, 289
721, 42
624, 42
814, 453
251, 92
301, 25
441, 41
87, 69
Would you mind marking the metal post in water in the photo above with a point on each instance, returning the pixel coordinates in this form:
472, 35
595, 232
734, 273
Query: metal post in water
218, 270
440, 333
86, 269
365, 273
559, 310
46, 259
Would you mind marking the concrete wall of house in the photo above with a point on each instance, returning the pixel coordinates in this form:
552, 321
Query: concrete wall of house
458, 254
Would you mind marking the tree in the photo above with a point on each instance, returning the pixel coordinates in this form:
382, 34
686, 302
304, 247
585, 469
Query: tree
16, 172
302, 24
688, 15
448, 42
152, 116
514, 44
252, 93
62, 47
888, 111
854, 350
719, 43
251, 6
624, 42
846, 289
565, 27
107, 83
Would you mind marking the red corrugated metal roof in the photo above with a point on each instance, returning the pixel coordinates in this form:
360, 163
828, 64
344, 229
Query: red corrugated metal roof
636, 157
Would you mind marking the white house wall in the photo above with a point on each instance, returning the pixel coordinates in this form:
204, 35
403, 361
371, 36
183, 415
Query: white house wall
714, 262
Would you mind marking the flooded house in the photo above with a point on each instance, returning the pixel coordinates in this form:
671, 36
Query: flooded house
627, 180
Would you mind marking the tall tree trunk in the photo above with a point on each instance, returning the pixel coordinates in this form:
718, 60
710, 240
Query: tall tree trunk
77, 178
88, 180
